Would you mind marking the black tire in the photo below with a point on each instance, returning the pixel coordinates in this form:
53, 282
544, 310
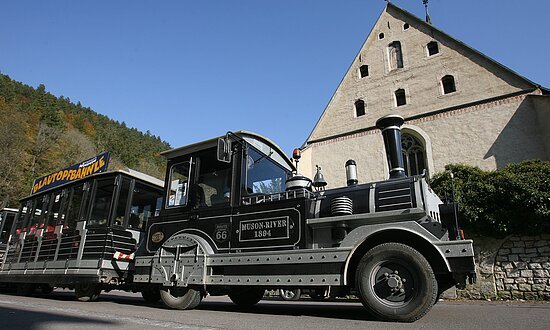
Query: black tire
151, 293
45, 288
25, 289
87, 292
317, 295
290, 294
180, 297
396, 283
246, 296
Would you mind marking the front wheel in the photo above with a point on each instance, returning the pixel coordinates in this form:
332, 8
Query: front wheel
180, 297
396, 283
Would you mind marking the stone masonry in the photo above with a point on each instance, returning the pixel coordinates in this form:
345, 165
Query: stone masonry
522, 268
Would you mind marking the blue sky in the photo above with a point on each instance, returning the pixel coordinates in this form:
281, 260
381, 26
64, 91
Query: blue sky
191, 70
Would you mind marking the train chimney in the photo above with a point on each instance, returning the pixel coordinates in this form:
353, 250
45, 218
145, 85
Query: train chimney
390, 126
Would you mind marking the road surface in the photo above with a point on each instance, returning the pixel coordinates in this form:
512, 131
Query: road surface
120, 310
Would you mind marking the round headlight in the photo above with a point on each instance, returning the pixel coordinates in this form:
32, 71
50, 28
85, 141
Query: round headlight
157, 237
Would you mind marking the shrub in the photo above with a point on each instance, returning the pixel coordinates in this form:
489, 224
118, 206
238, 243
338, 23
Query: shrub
511, 200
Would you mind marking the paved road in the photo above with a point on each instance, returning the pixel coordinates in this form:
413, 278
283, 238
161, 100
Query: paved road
128, 311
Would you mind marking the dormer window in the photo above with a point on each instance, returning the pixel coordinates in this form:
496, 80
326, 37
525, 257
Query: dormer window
448, 84
364, 71
395, 55
359, 108
400, 98
432, 47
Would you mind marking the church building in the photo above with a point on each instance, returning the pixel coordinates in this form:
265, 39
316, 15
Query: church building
459, 105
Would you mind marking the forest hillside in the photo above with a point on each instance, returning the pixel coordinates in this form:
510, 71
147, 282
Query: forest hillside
41, 133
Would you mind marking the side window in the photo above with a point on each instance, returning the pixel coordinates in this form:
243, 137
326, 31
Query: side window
101, 204
263, 176
122, 202
40, 205
178, 184
74, 202
144, 205
23, 217
7, 219
53, 215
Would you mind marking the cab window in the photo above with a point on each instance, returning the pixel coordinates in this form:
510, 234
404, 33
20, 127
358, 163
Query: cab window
178, 184
263, 175
214, 180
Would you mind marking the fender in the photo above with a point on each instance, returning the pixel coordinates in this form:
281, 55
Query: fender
360, 236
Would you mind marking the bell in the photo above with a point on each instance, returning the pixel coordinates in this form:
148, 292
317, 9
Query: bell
319, 180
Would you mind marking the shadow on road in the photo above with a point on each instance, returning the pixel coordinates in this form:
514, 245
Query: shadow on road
15, 318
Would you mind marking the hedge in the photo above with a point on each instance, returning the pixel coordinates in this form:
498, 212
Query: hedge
511, 200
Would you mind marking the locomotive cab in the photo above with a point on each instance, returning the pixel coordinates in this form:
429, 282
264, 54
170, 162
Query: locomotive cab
220, 195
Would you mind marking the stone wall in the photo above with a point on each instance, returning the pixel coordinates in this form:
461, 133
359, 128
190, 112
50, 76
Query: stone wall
522, 268
517, 267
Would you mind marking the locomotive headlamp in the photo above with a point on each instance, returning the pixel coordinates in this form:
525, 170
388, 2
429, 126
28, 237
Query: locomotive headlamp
157, 237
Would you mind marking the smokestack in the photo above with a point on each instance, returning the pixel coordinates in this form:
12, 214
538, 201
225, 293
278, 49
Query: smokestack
390, 126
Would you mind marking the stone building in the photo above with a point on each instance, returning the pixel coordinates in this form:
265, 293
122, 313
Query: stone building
459, 106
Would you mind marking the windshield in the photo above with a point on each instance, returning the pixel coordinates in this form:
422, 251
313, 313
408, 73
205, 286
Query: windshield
263, 175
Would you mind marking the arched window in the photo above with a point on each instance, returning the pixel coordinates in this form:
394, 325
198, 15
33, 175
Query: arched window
395, 55
414, 155
432, 47
400, 98
448, 84
359, 108
364, 70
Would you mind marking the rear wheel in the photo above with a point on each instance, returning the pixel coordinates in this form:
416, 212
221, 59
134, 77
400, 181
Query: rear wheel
87, 291
290, 294
45, 288
151, 293
396, 283
317, 294
246, 296
180, 297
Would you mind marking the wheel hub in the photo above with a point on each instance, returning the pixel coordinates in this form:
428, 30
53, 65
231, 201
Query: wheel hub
394, 282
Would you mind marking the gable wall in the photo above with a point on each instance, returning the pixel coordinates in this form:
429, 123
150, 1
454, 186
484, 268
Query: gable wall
488, 122
476, 77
